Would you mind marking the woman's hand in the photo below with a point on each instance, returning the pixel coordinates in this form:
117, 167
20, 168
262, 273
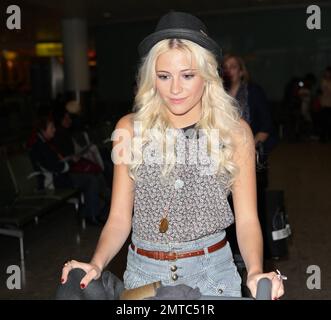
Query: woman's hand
93, 272
277, 289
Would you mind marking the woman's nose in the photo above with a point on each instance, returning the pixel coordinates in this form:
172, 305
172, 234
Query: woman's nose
175, 86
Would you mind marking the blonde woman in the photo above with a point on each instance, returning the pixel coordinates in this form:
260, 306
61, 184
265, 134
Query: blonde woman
176, 178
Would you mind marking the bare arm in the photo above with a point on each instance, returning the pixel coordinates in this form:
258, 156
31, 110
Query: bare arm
248, 228
118, 225
244, 200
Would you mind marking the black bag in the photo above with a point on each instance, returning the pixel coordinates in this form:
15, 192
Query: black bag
275, 226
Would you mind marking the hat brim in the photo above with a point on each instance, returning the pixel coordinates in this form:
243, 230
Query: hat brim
198, 37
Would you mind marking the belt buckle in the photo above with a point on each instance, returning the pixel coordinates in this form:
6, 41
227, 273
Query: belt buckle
172, 255
158, 255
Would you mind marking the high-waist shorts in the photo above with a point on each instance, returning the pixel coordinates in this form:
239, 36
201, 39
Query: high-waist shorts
215, 274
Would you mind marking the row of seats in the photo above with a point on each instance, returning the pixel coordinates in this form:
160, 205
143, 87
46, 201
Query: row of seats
20, 200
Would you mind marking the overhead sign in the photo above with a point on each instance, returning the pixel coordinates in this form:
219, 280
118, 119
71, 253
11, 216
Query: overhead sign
49, 49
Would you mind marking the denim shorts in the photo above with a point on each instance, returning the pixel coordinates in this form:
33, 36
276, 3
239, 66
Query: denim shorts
215, 274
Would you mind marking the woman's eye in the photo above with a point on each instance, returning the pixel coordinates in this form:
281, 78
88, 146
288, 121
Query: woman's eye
188, 76
162, 76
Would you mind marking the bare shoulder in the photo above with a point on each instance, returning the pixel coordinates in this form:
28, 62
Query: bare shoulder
244, 146
243, 134
126, 122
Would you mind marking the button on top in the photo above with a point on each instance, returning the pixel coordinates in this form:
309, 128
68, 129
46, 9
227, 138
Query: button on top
179, 184
174, 277
173, 268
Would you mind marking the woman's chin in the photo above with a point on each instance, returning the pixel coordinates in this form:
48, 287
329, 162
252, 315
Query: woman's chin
178, 111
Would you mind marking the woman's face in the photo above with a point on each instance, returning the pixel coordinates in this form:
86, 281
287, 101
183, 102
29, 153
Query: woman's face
232, 70
178, 83
49, 132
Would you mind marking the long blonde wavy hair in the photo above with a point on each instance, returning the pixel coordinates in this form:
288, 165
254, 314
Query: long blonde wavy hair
219, 110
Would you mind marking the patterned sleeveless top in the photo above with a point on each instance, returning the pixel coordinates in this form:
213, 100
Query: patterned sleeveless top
197, 209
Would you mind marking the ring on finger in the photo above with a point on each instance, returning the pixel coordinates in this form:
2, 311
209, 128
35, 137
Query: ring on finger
280, 276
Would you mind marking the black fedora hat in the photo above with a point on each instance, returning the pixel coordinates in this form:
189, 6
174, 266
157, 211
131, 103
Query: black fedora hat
180, 25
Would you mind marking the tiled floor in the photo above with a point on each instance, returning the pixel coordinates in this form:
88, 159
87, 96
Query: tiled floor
47, 246
302, 170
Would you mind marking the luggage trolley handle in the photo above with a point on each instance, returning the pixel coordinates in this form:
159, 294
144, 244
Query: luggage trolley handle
263, 291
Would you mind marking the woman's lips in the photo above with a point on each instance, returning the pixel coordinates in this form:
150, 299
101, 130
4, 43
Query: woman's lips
177, 101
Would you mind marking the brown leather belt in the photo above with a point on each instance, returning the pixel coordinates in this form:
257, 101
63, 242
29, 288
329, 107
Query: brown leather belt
162, 255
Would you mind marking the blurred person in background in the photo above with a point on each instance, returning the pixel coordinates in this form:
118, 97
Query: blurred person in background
254, 108
251, 99
325, 105
47, 157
